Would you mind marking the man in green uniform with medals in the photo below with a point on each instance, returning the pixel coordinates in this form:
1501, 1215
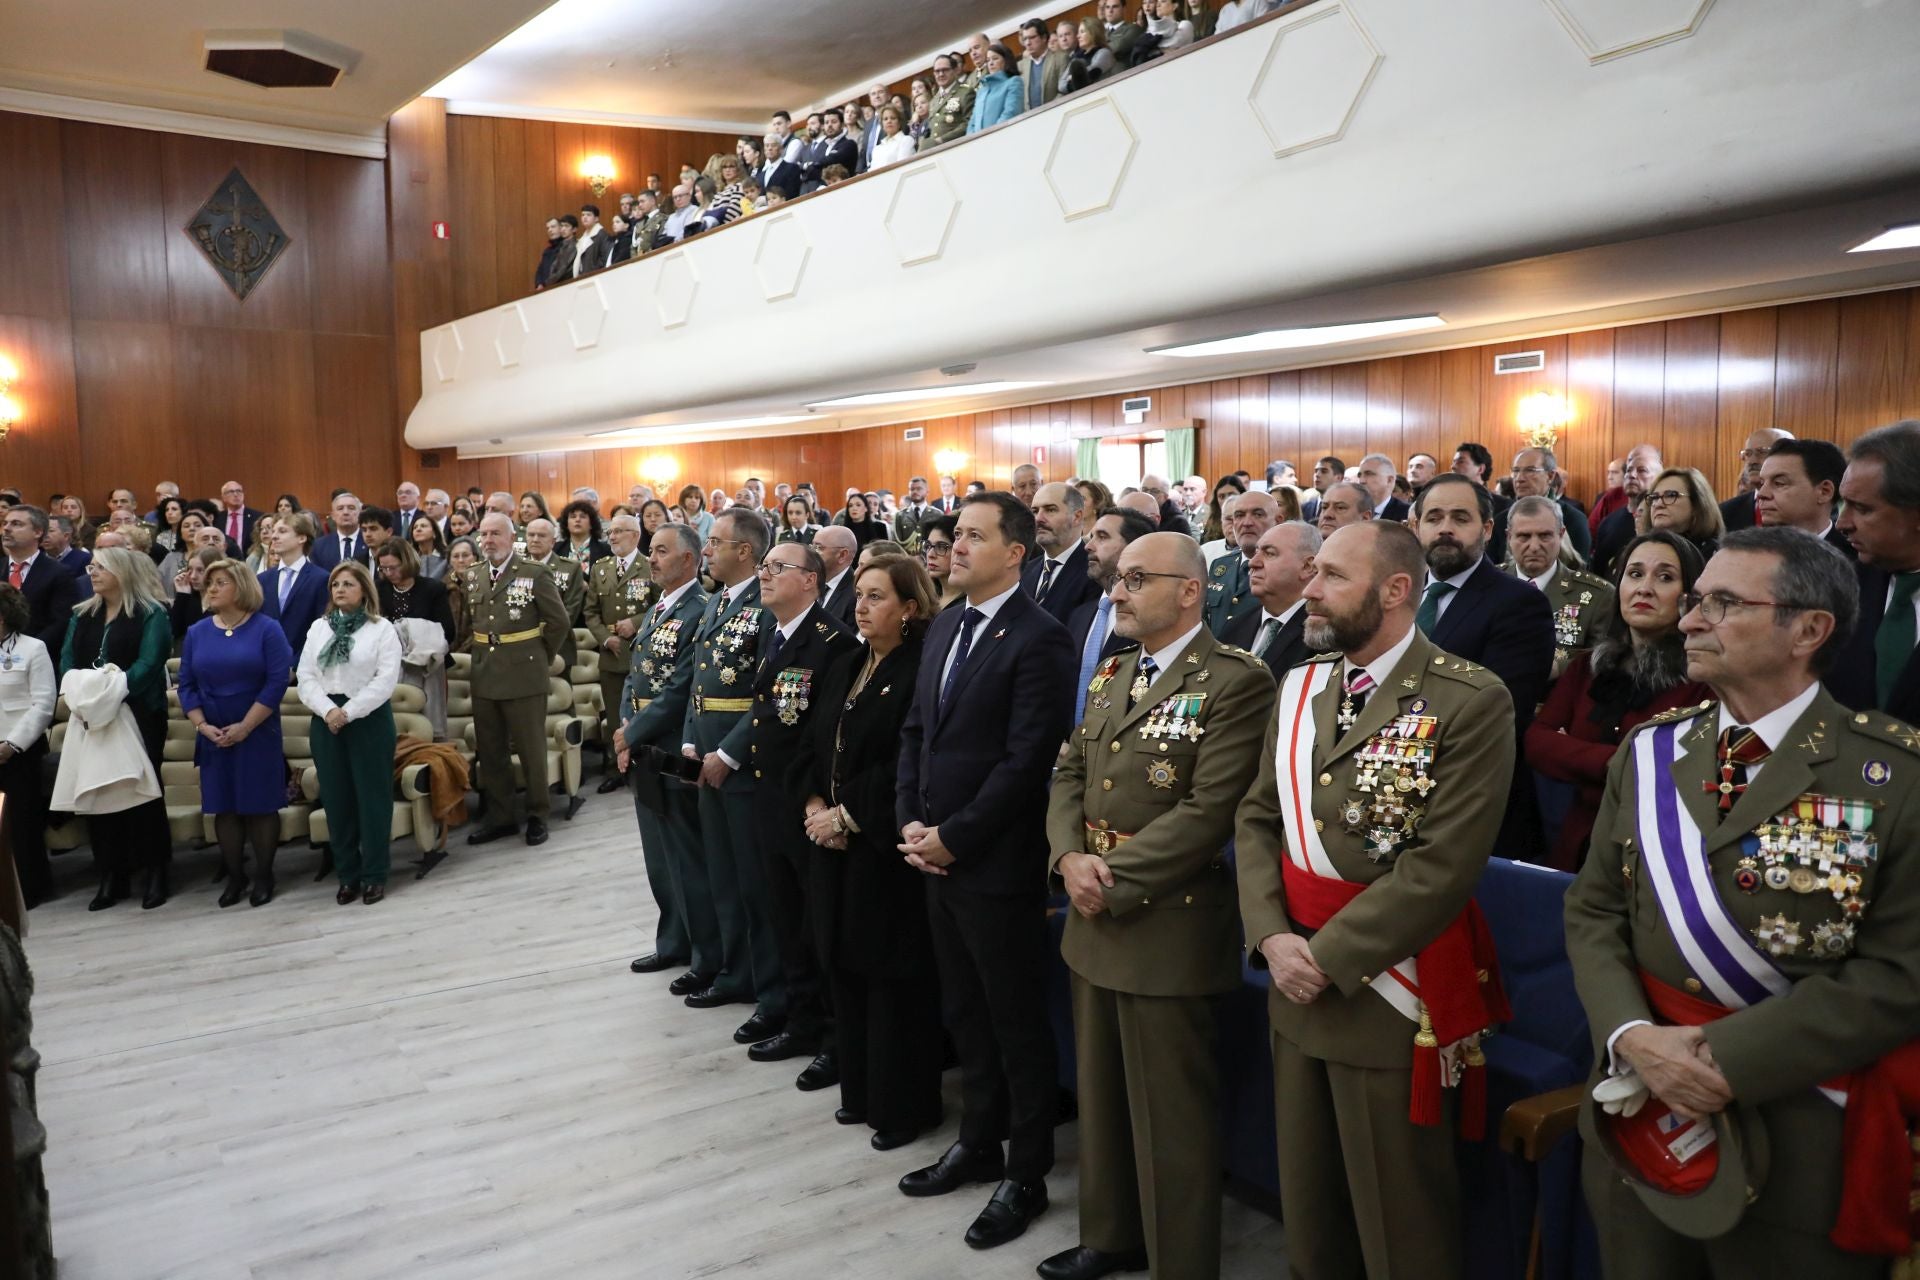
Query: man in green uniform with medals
952, 105
1581, 602
619, 591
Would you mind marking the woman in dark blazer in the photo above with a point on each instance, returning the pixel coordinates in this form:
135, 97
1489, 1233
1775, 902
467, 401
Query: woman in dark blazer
869, 907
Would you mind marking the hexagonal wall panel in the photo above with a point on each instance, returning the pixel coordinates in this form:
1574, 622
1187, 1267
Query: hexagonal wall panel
1615, 28
510, 329
674, 287
448, 347
1315, 74
1091, 151
781, 258
586, 314
920, 215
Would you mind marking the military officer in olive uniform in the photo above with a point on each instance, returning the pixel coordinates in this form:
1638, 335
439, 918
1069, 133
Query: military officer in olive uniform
717, 731
1229, 589
1745, 936
1358, 848
518, 626
804, 639
569, 575
650, 709
619, 592
1582, 602
1137, 821
952, 105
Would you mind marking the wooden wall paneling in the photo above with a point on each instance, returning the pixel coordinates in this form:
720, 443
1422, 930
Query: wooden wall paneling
1256, 436
129, 415
609, 478
192, 170
238, 391
1221, 412
577, 472
1806, 367
1460, 376
494, 476
1871, 362
552, 478
1639, 386
346, 244
476, 194
1746, 376
1690, 403
1283, 426
1501, 394
518, 233
1910, 384
1349, 411
45, 443
1419, 406
523, 473
1590, 440
419, 193
1386, 394
115, 207
1316, 418
355, 443
36, 220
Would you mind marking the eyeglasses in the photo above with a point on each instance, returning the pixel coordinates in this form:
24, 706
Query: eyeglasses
1135, 580
1666, 497
939, 549
774, 568
1529, 471
1713, 606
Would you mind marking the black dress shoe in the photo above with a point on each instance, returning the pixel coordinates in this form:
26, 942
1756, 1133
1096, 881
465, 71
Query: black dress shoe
843, 1116
376, 893
654, 962
536, 830
818, 1074
759, 1027
236, 889
262, 892
1006, 1216
346, 893
486, 835
888, 1139
787, 1044
689, 982
959, 1166
433, 859
612, 783
104, 897
713, 998
159, 889
1082, 1263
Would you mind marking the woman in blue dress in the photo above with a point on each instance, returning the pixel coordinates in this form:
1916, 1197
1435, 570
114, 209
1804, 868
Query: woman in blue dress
233, 668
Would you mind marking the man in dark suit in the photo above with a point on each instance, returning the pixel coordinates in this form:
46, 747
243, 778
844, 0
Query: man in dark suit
1475, 612
1534, 472
1880, 516
977, 752
771, 169
870, 133
838, 548
293, 587
1057, 578
346, 542
47, 584
1091, 627
832, 147
1616, 531
949, 500
1376, 477
1799, 487
236, 517
59, 544
1281, 566
1738, 512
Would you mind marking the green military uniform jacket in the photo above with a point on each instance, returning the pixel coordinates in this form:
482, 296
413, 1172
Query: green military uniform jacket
612, 596
728, 647
950, 112
1416, 889
908, 523
1229, 593
1167, 776
518, 624
646, 229
1582, 602
1856, 991
570, 576
661, 676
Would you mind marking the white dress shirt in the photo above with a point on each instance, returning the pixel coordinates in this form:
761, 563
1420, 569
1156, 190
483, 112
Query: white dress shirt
367, 677
1164, 659
1382, 667
1457, 581
1059, 562
275, 579
28, 690
988, 607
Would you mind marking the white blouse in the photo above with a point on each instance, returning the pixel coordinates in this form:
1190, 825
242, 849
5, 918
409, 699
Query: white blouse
367, 677
28, 691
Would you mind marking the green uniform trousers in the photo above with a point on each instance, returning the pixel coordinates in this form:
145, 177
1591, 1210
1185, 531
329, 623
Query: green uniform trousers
356, 789
751, 953
1635, 1244
1150, 1158
1364, 1191
670, 936
502, 726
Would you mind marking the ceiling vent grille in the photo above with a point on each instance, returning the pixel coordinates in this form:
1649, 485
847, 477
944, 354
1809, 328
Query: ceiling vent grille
1520, 362
1134, 411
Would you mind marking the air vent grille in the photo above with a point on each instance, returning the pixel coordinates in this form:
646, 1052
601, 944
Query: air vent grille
1520, 362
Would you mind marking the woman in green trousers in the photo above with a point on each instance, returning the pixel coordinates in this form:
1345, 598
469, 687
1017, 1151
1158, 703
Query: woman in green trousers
348, 669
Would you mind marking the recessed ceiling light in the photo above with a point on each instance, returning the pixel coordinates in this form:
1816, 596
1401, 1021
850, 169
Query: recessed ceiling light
1288, 339
910, 394
724, 424
1902, 237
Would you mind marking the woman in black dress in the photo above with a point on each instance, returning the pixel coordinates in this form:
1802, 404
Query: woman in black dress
859, 517
869, 907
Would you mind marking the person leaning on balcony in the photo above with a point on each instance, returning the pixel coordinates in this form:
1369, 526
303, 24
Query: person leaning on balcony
556, 244
1090, 57
998, 98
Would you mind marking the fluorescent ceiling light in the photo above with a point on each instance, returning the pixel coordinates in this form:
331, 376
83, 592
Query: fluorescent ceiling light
911, 394
1288, 339
725, 424
1902, 237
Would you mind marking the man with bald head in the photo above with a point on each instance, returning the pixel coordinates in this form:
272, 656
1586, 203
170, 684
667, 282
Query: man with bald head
1617, 530
1139, 812
1229, 594
1057, 578
1143, 502
837, 547
1737, 511
1281, 567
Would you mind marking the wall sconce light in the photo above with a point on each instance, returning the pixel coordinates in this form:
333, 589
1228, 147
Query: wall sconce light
1540, 417
949, 462
10, 411
599, 173
659, 472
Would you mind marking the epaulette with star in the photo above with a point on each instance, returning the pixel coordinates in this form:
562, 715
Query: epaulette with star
1467, 673
1882, 727
1676, 715
1245, 655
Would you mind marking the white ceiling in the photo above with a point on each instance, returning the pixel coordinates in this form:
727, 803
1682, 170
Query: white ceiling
57, 57
723, 62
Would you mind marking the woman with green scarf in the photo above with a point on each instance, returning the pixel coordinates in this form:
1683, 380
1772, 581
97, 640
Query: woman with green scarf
348, 669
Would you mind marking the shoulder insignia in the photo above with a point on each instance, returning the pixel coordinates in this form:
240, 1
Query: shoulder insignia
1246, 656
1318, 657
1468, 673
1678, 714
1881, 727
822, 628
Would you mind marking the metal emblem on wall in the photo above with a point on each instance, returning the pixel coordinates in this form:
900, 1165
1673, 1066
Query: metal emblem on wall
238, 234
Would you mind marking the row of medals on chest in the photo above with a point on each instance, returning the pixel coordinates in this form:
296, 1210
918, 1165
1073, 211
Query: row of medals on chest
1823, 844
1391, 768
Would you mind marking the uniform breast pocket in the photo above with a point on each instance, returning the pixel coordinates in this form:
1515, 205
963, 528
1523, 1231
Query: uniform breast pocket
1164, 766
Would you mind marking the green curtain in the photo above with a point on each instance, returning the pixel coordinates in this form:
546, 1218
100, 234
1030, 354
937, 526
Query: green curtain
1179, 453
1086, 458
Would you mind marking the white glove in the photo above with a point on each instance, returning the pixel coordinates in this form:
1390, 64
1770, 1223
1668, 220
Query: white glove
1621, 1095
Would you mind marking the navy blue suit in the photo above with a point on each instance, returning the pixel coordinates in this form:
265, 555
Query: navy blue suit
1854, 678
1070, 589
51, 593
1289, 648
306, 602
326, 550
978, 769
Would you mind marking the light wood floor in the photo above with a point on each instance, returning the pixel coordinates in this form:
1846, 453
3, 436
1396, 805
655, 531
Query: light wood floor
464, 1082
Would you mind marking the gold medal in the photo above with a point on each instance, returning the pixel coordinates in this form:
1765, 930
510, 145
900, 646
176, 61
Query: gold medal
1162, 775
728, 675
1804, 880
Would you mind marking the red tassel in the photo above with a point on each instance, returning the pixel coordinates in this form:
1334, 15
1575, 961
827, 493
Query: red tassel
1473, 1095
1424, 1107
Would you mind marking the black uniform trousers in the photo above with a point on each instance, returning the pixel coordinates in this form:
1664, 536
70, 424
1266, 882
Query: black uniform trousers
22, 783
784, 850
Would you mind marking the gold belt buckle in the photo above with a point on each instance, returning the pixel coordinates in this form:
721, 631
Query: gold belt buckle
1102, 842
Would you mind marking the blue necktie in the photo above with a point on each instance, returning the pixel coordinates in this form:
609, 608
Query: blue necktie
286, 586
1090, 654
968, 622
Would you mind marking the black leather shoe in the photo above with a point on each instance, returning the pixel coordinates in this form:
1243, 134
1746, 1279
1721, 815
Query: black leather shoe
262, 892
158, 889
713, 998
236, 889
612, 783
783, 1045
536, 830
376, 894
959, 1166
758, 1028
888, 1139
843, 1116
654, 962
1006, 1216
104, 897
820, 1073
486, 835
433, 859
1082, 1263
689, 982
346, 893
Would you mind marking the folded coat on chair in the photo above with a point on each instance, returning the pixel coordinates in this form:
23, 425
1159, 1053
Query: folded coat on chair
446, 776
103, 764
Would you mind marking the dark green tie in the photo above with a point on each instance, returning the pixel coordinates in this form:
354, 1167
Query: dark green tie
1429, 616
1893, 643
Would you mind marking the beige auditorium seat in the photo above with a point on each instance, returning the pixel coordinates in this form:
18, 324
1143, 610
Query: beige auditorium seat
412, 802
585, 679
460, 702
295, 722
566, 731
